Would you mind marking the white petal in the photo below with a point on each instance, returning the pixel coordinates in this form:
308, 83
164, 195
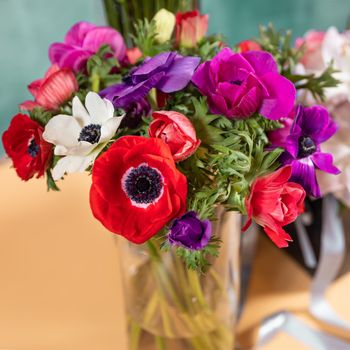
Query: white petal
97, 108
60, 150
72, 164
110, 108
62, 130
109, 128
82, 149
80, 113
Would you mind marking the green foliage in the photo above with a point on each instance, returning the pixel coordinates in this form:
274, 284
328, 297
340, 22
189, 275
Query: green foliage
39, 115
100, 69
145, 38
280, 45
51, 184
206, 48
198, 260
232, 154
316, 84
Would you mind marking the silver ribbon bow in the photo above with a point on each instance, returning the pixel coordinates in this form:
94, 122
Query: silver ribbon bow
331, 258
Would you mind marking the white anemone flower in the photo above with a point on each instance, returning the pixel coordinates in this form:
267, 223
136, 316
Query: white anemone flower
82, 136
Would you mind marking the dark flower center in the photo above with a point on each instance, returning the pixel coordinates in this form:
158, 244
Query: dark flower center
127, 79
306, 147
237, 82
143, 185
33, 148
90, 133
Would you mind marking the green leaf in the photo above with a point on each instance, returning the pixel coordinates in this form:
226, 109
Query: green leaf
51, 184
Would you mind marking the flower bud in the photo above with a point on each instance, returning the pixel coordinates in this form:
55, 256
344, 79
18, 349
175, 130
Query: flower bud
165, 23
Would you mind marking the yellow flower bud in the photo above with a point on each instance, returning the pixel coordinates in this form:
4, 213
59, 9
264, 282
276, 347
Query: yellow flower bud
165, 23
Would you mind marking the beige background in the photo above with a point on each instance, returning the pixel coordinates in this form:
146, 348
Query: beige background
59, 273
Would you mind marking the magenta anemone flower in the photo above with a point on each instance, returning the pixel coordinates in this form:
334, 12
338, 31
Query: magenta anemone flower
311, 127
238, 85
83, 40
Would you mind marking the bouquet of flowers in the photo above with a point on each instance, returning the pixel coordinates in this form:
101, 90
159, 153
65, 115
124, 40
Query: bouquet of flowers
174, 130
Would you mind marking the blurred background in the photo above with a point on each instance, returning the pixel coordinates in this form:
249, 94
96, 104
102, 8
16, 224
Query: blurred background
27, 27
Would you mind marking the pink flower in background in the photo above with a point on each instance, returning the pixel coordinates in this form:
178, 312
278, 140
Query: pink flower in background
82, 41
191, 27
312, 42
339, 147
321, 50
54, 89
133, 55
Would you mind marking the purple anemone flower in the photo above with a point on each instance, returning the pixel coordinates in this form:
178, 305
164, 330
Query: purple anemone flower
167, 71
190, 232
134, 113
311, 127
82, 41
238, 85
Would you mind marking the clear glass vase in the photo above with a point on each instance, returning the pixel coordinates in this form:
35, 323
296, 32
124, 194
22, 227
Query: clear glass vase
170, 307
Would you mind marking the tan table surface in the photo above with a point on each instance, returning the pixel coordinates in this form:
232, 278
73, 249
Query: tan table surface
60, 283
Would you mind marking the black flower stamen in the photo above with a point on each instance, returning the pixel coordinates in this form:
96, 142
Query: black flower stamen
237, 82
33, 148
306, 147
90, 133
143, 185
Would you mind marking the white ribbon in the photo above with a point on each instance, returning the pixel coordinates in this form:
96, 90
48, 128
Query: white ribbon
286, 322
331, 258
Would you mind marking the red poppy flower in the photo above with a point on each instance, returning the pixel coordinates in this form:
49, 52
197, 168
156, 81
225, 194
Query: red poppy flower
24, 144
274, 202
136, 189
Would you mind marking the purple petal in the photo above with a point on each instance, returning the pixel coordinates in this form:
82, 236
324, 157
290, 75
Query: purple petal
75, 35
74, 59
235, 67
207, 227
248, 104
316, 122
262, 62
282, 96
99, 36
123, 95
112, 91
292, 144
153, 65
217, 105
324, 161
230, 91
179, 74
303, 172
202, 78
226, 63
57, 50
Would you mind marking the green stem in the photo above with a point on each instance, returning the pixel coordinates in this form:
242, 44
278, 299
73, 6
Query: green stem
160, 342
95, 83
135, 332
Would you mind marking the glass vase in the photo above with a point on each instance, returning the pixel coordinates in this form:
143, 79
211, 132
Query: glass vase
170, 307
